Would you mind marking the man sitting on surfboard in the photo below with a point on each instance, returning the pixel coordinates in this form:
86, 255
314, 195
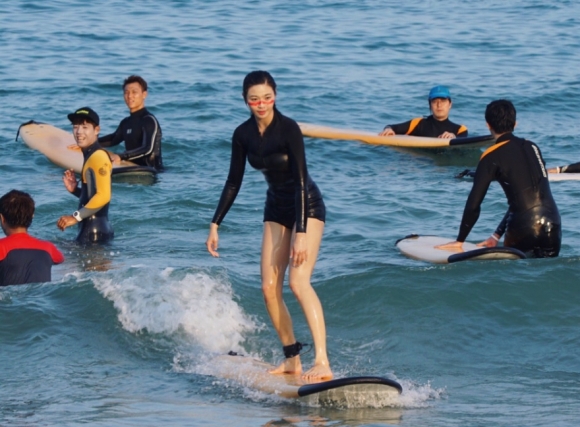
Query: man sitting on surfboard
95, 191
23, 258
532, 222
140, 131
437, 125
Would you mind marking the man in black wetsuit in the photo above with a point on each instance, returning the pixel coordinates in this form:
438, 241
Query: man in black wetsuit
437, 125
23, 258
532, 222
140, 131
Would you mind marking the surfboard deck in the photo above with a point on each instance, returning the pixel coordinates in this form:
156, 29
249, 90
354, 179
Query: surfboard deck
423, 248
60, 148
253, 374
552, 177
325, 132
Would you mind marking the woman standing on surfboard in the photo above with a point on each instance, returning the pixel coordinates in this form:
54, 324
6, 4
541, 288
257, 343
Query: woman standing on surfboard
294, 217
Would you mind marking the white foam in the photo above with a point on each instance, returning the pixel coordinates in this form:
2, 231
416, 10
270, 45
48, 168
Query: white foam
169, 302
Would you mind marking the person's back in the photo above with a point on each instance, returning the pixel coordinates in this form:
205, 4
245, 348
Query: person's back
23, 258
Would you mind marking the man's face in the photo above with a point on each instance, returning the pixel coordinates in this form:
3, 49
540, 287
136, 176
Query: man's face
134, 96
86, 134
440, 108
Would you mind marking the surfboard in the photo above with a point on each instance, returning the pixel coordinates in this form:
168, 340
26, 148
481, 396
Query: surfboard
325, 132
552, 177
253, 374
60, 148
423, 248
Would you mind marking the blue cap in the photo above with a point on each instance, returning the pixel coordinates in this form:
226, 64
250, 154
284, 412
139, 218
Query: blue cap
439, 92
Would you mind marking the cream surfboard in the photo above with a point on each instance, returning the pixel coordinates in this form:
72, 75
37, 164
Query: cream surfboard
253, 374
61, 149
423, 248
552, 177
406, 141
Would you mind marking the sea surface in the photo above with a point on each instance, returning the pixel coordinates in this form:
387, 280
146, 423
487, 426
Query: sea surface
125, 334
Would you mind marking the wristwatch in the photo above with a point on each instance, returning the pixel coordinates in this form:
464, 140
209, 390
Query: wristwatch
77, 216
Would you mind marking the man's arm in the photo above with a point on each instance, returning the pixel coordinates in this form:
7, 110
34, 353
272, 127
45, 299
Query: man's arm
150, 131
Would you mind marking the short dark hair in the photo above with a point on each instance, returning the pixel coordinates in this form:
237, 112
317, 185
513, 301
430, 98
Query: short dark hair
17, 208
500, 115
258, 77
136, 79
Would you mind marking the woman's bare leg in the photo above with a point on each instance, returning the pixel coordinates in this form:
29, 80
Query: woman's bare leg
275, 252
309, 301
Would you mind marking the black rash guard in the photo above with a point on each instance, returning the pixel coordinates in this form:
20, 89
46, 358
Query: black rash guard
26, 259
573, 168
292, 196
142, 135
518, 166
428, 126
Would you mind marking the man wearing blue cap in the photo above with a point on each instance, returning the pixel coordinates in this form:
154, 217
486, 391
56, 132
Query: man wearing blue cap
437, 125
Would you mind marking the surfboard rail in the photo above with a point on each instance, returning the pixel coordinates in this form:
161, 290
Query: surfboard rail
406, 141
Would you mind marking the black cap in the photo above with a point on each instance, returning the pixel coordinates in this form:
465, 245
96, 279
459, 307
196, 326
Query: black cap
85, 113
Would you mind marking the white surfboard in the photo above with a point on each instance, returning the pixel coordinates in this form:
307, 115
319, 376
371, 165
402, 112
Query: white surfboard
423, 248
556, 177
552, 177
60, 148
407, 141
253, 374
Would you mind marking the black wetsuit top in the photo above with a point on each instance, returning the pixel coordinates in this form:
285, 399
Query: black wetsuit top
142, 135
518, 166
428, 126
573, 168
94, 196
292, 196
26, 259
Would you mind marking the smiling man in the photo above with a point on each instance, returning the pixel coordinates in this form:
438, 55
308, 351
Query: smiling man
95, 191
140, 131
437, 125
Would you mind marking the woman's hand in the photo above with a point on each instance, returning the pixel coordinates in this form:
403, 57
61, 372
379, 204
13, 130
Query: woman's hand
299, 253
212, 240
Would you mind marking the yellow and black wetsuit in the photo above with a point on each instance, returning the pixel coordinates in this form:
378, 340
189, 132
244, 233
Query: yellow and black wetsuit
94, 196
429, 127
532, 223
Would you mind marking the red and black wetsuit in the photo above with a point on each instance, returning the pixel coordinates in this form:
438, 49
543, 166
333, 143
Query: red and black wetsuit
142, 135
292, 196
532, 223
26, 259
428, 126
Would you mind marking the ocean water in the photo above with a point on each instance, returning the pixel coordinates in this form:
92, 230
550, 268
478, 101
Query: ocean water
125, 333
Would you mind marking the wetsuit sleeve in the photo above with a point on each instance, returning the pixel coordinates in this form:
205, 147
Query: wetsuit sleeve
112, 139
149, 130
234, 180
97, 175
573, 168
400, 128
484, 175
502, 225
297, 158
56, 255
462, 132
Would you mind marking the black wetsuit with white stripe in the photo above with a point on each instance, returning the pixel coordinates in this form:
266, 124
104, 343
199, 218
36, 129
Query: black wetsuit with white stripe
279, 154
142, 135
532, 223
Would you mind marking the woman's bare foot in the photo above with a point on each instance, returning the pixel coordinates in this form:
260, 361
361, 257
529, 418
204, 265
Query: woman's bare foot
320, 371
289, 366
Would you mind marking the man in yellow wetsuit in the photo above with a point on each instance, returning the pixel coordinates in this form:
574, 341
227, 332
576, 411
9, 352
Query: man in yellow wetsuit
95, 191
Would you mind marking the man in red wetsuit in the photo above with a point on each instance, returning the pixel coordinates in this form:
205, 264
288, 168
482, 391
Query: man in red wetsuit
23, 258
